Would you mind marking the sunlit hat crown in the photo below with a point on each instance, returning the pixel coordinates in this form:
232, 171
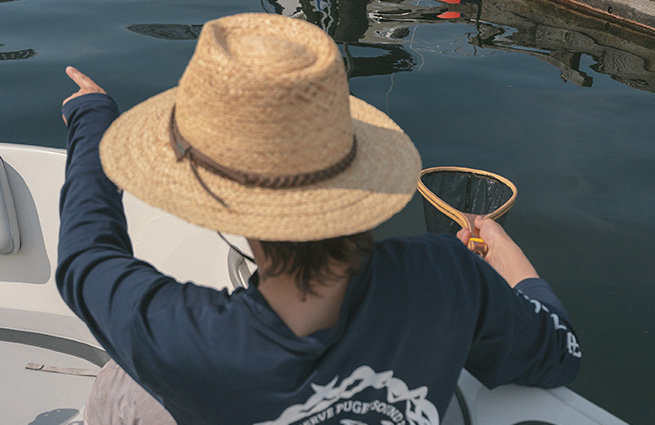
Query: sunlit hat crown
266, 94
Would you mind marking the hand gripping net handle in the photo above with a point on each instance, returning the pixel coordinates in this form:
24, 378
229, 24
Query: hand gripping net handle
455, 196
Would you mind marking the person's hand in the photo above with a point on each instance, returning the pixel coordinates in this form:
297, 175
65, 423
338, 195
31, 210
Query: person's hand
504, 255
86, 85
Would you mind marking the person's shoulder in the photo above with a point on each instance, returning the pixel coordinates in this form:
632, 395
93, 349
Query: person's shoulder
428, 263
424, 245
424, 241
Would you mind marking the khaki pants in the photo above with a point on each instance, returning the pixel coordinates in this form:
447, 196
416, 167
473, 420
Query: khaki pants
116, 399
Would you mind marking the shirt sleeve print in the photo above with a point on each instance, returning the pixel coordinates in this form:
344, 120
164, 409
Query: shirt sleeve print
519, 339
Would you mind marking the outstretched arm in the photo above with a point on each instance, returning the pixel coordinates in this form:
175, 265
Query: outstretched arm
543, 350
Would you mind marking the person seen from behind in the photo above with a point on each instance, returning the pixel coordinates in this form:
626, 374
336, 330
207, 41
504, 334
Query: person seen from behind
262, 139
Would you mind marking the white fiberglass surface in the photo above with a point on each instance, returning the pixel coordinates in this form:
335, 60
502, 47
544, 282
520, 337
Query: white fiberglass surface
27, 277
37, 397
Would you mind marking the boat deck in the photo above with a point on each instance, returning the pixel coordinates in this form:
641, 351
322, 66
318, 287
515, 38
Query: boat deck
40, 397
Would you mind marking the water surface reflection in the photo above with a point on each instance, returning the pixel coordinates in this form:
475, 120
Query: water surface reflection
380, 59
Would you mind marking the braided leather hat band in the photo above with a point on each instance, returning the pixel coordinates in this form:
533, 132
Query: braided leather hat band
183, 149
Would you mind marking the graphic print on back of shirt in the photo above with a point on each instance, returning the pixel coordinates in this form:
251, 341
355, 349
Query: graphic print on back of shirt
388, 401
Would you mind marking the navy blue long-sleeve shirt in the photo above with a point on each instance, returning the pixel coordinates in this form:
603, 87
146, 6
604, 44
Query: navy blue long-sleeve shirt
422, 308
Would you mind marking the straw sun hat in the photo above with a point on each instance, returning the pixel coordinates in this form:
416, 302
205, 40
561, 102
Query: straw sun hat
262, 139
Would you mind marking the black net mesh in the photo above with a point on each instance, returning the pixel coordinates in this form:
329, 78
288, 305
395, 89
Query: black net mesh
466, 191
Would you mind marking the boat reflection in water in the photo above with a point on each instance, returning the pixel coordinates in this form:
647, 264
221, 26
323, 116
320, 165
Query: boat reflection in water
540, 28
560, 37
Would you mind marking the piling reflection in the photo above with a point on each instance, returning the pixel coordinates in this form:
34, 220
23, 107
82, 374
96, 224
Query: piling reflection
376, 35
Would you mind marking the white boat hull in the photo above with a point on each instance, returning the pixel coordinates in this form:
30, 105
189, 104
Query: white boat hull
37, 327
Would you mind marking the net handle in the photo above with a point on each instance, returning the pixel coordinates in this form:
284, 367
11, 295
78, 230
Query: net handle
476, 244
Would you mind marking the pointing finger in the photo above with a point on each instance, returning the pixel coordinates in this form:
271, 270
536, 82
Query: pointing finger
80, 79
86, 84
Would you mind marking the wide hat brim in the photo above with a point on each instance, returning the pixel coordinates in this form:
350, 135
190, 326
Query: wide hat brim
136, 155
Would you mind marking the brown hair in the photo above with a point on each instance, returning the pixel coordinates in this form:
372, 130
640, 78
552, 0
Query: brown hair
310, 260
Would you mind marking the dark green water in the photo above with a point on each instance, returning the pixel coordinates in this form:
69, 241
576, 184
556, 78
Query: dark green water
560, 104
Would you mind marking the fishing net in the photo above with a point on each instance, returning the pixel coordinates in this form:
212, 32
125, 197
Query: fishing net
454, 196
